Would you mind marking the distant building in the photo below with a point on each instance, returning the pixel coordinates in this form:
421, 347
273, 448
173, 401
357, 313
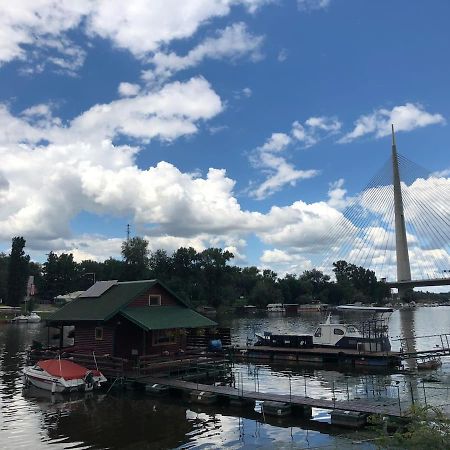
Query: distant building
129, 319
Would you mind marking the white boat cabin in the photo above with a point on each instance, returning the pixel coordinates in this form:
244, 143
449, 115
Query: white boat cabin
331, 333
275, 307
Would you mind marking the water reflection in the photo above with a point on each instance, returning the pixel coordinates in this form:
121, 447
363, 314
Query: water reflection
131, 420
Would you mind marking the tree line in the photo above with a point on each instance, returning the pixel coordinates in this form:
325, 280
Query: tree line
205, 277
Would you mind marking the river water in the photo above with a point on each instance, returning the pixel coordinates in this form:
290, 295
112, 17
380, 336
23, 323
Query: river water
32, 419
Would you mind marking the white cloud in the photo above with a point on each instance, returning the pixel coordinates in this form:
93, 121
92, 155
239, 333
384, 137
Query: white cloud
405, 117
441, 173
167, 113
337, 195
311, 5
280, 171
282, 55
128, 89
231, 43
30, 27
283, 262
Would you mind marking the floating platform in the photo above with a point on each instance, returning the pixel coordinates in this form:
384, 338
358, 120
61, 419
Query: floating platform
299, 404
350, 419
319, 355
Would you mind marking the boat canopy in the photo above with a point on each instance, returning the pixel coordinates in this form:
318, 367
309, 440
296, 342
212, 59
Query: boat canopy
63, 368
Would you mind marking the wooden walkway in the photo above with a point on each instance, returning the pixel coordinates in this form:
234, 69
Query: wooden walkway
388, 409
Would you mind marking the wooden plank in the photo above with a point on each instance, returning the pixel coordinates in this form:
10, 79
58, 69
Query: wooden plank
353, 405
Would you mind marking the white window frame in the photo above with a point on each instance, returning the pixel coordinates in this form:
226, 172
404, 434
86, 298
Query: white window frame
154, 296
98, 338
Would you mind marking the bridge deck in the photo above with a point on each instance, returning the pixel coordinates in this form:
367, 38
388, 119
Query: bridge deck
390, 408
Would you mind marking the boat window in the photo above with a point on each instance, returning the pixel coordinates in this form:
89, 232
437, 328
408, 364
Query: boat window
352, 330
318, 332
338, 331
99, 333
154, 300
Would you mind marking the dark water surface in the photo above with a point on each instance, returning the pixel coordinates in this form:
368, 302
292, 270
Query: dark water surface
32, 419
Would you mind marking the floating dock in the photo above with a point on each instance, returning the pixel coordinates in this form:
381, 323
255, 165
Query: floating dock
318, 355
198, 391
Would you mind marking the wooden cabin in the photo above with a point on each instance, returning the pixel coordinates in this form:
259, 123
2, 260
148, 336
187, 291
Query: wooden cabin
129, 319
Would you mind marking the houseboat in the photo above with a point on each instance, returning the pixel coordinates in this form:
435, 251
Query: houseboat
128, 319
330, 334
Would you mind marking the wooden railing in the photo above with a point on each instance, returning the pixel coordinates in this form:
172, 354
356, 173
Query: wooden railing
202, 337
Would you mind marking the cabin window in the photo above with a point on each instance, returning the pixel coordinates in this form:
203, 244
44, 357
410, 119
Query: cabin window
351, 330
318, 332
99, 333
163, 337
338, 331
154, 300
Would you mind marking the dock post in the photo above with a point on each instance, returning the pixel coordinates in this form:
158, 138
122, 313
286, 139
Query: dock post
412, 392
399, 403
334, 395
424, 393
348, 395
290, 388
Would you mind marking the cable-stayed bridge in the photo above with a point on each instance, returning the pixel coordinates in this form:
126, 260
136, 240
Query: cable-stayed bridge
398, 226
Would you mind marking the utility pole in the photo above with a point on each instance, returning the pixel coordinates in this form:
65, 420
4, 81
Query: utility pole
401, 243
128, 232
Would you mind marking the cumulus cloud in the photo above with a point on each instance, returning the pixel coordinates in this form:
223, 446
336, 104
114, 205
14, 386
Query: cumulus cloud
405, 117
128, 89
32, 29
281, 172
283, 262
168, 113
312, 5
233, 42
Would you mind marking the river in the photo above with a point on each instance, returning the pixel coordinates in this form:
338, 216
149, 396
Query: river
32, 419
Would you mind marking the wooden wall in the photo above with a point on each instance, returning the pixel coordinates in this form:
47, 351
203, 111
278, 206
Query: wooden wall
85, 338
167, 299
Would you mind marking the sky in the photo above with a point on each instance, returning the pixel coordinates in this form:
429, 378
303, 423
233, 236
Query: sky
241, 124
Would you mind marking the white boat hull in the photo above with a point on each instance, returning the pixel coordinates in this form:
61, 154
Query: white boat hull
43, 380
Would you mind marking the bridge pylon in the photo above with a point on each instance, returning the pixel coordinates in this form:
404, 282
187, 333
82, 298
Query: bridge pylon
401, 243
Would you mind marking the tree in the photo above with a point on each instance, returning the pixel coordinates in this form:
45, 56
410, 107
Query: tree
4, 266
60, 274
160, 265
318, 280
427, 427
135, 254
18, 272
213, 262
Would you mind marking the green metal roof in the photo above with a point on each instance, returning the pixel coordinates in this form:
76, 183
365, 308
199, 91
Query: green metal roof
103, 307
164, 317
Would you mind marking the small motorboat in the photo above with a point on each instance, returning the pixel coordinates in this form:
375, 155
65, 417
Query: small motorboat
429, 363
62, 375
27, 318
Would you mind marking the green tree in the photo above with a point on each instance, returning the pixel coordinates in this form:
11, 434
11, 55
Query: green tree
160, 265
60, 275
427, 428
318, 280
4, 266
214, 265
18, 272
135, 253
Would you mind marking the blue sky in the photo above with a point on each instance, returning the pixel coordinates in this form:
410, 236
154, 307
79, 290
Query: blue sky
211, 123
